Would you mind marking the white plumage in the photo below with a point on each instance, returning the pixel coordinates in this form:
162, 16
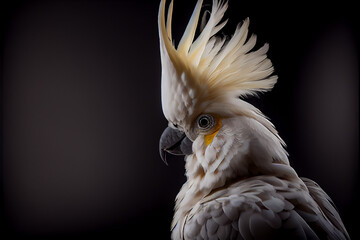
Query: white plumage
239, 181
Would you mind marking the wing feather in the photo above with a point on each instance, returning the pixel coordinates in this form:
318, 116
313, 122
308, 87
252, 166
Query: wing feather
326, 205
265, 207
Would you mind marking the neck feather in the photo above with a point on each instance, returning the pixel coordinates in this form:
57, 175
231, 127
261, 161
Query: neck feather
244, 147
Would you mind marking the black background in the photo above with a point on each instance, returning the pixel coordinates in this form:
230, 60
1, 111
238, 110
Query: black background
81, 110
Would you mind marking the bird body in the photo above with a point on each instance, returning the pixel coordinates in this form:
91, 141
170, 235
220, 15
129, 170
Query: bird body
261, 207
242, 187
240, 184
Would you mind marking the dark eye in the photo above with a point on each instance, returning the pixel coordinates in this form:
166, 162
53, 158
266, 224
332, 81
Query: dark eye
205, 122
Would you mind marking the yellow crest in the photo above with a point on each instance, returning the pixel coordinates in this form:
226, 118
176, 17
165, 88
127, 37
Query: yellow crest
211, 72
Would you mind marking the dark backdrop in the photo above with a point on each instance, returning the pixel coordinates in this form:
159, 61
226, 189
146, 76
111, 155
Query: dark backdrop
81, 110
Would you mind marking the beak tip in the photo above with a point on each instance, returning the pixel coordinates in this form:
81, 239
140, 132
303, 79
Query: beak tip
175, 142
163, 156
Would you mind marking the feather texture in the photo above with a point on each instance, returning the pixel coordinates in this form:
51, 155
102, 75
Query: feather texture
261, 210
240, 185
212, 68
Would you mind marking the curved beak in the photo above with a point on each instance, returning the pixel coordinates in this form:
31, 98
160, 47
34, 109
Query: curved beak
175, 142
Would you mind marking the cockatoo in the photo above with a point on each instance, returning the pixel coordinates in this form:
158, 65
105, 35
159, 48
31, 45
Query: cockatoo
240, 184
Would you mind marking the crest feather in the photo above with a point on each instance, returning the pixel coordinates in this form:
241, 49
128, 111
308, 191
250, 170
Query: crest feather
211, 67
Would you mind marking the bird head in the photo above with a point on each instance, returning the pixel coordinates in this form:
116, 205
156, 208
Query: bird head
204, 82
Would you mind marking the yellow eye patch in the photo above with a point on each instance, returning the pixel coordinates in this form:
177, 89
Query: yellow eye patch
210, 137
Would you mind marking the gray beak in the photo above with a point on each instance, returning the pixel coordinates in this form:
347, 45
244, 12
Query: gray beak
175, 142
